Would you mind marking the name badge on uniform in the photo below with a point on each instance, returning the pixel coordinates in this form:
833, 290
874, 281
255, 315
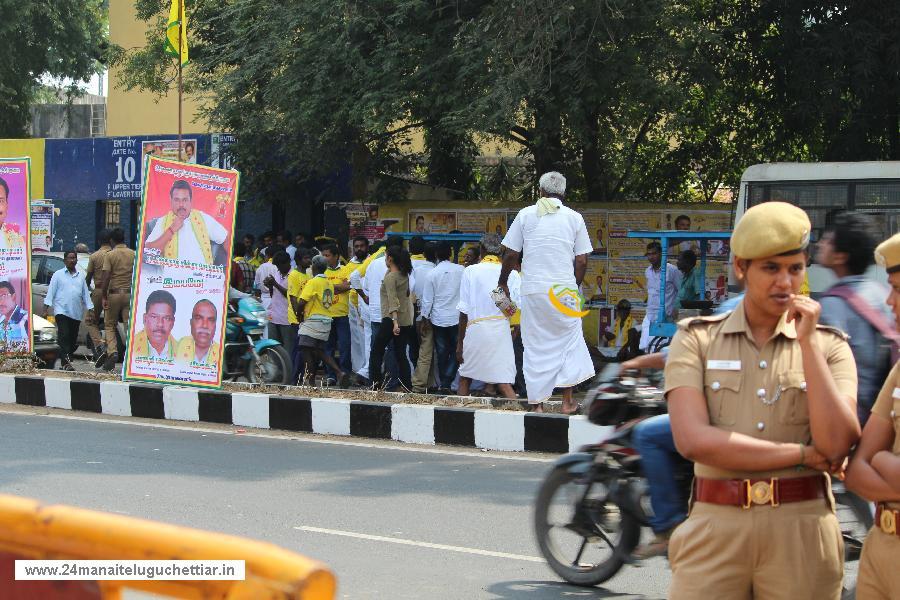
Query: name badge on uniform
724, 365
896, 393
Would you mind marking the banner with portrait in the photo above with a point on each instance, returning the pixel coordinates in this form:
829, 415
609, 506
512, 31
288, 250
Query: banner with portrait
182, 270
15, 256
41, 226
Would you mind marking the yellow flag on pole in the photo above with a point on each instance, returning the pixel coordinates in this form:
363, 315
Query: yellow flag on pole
177, 26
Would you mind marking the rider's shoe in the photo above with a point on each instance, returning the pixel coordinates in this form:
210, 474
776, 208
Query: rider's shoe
658, 546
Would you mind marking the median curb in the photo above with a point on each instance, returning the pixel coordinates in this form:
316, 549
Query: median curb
411, 423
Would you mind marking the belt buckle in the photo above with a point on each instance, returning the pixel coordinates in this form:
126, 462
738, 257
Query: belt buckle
761, 492
888, 521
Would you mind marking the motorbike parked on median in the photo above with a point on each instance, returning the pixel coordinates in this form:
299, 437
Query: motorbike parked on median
594, 504
247, 353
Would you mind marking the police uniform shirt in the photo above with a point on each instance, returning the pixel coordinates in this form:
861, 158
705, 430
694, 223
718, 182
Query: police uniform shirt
888, 406
759, 393
120, 263
95, 263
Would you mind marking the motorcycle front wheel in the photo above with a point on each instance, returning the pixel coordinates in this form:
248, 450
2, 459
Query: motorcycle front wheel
584, 536
273, 367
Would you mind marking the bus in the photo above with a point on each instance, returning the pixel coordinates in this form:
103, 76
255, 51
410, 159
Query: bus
823, 189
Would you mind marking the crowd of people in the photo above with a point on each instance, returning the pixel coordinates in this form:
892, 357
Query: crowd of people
426, 318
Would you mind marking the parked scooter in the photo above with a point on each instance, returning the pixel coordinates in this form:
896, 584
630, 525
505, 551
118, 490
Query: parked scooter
247, 354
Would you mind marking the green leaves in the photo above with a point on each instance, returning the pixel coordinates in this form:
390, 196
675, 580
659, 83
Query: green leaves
65, 39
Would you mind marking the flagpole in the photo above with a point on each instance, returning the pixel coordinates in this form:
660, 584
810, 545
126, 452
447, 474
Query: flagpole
180, 51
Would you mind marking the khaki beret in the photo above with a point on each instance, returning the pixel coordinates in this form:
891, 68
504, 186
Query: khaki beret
770, 229
887, 254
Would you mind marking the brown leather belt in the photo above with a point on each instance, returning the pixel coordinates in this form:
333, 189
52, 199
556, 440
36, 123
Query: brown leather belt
747, 492
887, 519
120, 291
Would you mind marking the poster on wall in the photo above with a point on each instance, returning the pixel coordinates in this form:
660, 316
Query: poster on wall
183, 262
41, 226
168, 149
471, 221
432, 221
621, 222
709, 220
597, 226
363, 221
627, 280
15, 255
593, 288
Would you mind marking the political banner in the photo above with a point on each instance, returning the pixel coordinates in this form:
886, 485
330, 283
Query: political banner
594, 285
181, 274
627, 281
478, 221
41, 226
597, 227
620, 223
15, 255
432, 221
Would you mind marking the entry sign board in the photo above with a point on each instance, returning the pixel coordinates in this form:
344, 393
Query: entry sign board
41, 226
182, 270
15, 255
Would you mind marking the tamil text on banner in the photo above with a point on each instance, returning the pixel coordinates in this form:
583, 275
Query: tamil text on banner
181, 277
15, 253
627, 281
621, 222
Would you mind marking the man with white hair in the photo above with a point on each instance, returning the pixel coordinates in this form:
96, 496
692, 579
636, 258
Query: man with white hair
484, 348
555, 243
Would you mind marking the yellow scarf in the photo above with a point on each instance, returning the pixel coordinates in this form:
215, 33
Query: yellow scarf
490, 258
200, 232
142, 345
547, 206
13, 239
417, 257
628, 324
187, 351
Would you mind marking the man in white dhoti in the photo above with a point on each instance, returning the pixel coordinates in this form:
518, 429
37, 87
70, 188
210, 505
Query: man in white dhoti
358, 319
555, 243
673, 282
485, 347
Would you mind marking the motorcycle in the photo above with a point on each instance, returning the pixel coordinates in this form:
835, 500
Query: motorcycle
594, 503
247, 354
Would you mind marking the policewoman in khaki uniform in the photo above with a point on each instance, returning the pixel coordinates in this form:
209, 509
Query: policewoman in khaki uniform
874, 472
763, 400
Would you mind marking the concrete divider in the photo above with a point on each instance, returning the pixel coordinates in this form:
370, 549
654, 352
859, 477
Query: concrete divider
410, 423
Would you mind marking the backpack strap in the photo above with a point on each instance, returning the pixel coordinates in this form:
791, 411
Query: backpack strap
873, 317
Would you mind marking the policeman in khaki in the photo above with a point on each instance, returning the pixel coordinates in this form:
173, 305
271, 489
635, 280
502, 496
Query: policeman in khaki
763, 400
874, 472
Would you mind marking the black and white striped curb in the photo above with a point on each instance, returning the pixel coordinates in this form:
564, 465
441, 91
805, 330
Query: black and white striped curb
412, 423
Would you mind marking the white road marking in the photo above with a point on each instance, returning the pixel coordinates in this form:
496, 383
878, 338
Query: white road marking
474, 453
405, 542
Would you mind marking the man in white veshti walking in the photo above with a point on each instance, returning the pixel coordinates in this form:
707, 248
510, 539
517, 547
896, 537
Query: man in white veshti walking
555, 243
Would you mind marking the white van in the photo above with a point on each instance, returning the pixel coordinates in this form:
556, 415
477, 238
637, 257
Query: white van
822, 189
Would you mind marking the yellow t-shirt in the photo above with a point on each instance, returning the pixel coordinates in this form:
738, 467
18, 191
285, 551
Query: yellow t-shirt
319, 296
341, 305
295, 282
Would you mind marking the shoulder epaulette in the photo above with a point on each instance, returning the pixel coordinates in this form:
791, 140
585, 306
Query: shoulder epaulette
692, 321
838, 332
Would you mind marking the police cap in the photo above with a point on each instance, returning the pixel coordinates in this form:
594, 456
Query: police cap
887, 254
770, 229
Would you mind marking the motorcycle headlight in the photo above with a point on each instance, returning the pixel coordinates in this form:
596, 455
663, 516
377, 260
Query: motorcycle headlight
48, 334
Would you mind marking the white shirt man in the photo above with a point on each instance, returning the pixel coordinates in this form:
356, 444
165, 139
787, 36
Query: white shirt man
551, 236
673, 282
188, 244
487, 344
440, 294
421, 269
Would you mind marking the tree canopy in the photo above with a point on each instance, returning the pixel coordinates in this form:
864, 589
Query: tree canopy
632, 99
60, 39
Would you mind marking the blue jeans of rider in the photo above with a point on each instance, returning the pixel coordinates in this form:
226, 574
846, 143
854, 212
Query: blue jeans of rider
339, 340
653, 439
445, 339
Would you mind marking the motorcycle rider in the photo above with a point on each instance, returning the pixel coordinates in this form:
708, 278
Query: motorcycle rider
763, 400
875, 467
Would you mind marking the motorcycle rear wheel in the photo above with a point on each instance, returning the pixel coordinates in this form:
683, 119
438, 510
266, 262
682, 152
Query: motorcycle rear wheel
274, 367
587, 517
